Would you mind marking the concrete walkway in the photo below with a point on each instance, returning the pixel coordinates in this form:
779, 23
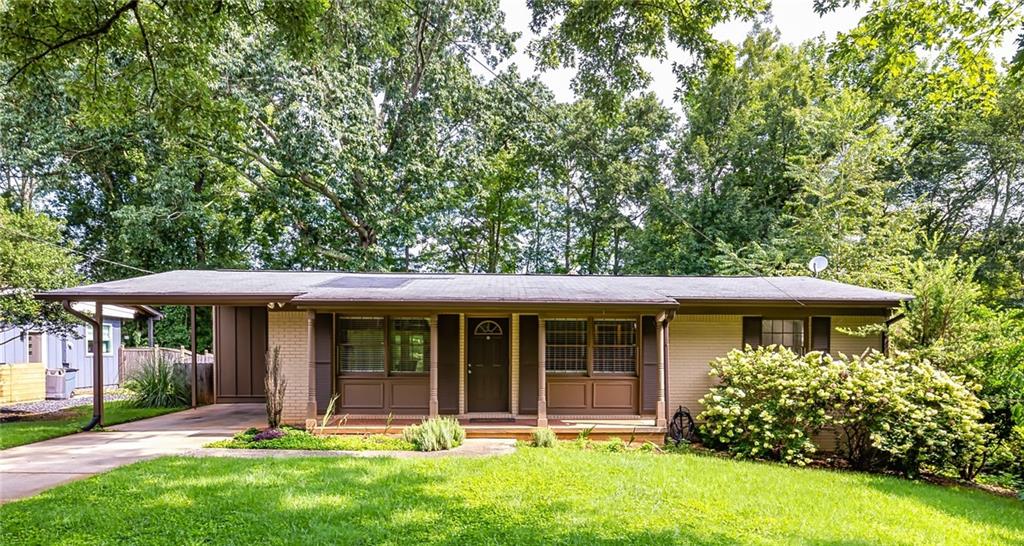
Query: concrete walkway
29, 469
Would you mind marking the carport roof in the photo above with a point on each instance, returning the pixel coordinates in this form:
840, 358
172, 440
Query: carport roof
206, 287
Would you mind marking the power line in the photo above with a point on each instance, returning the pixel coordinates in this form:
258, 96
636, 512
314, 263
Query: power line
515, 89
89, 256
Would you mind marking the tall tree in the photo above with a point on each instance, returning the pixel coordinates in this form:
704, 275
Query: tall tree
32, 258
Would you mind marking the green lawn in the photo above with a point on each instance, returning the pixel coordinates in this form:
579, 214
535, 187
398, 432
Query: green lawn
534, 496
17, 433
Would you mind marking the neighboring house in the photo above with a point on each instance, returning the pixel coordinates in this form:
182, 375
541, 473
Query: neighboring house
497, 346
75, 350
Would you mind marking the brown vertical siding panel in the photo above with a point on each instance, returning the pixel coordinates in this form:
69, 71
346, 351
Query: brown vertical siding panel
448, 364
324, 333
226, 354
528, 330
649, 350
257, 350
696, 340
243, 348
752, 331
821, 333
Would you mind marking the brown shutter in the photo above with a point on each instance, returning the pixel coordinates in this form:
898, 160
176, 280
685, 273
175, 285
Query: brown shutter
649, 341
821, 333
752, 331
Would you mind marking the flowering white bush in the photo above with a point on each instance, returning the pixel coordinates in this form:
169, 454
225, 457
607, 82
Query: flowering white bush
899, 412
768, 406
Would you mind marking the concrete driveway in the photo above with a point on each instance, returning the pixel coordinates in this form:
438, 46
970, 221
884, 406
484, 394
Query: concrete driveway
29, 469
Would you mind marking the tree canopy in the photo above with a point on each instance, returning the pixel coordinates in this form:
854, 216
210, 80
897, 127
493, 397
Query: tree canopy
364, 135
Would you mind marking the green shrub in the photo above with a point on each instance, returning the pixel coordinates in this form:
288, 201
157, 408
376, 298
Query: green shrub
159, 383
544, 437
899, 413
293, 438
436, 434
768, 405
902, 413
614, 445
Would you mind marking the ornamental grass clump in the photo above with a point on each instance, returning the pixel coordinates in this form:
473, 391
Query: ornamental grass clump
159, 383
544, 437
436, 434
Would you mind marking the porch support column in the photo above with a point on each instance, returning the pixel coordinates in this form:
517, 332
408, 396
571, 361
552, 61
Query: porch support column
433, 366
97, 366
195, 364
659, 411
311, 355
542, 397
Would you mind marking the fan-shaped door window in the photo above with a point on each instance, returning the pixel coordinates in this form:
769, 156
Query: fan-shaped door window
487, 328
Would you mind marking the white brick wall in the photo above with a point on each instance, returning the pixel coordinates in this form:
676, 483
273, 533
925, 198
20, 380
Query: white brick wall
289, 331
854, 345
696, 340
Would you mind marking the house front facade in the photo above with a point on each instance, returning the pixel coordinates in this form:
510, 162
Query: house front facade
498, 347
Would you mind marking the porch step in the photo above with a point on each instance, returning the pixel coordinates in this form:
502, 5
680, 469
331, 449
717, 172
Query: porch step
524, 432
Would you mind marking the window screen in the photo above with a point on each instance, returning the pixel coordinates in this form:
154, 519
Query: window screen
787, 333
360, 344
565, 345
410, 345
614, 346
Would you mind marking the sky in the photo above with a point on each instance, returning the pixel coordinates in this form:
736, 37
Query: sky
795, 20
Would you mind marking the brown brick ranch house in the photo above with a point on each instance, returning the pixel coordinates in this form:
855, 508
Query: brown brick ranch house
521, 348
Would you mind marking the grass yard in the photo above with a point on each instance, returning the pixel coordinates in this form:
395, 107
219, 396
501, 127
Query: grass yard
71, 420
534, 496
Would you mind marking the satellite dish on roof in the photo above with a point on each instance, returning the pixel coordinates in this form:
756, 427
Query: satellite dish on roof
817, 264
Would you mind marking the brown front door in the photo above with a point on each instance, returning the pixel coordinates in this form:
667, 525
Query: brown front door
487, 364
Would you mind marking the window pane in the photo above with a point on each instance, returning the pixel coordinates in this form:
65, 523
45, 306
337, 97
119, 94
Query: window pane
615, 346
786, 333
565, 345
360, 344
108, 335
410, 345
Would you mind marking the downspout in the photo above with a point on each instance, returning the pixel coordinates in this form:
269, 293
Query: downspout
97, 359
885, 333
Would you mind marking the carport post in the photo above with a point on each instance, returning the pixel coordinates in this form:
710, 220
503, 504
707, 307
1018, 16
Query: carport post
97, 365
195, 366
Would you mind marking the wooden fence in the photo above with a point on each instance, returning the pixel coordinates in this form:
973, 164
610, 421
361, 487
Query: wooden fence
131, 359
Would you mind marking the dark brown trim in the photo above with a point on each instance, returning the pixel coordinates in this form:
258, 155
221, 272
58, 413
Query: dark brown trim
173, 298
789, 312
529, 331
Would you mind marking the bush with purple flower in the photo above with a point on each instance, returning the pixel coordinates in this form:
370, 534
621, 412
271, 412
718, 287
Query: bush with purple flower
268, 434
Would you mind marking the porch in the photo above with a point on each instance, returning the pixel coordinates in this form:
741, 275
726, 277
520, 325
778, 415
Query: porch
638, 428
500, 373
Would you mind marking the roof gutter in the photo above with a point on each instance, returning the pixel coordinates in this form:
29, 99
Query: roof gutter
97, 331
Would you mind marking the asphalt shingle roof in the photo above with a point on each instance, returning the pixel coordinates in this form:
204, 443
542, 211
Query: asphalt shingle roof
325, 287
